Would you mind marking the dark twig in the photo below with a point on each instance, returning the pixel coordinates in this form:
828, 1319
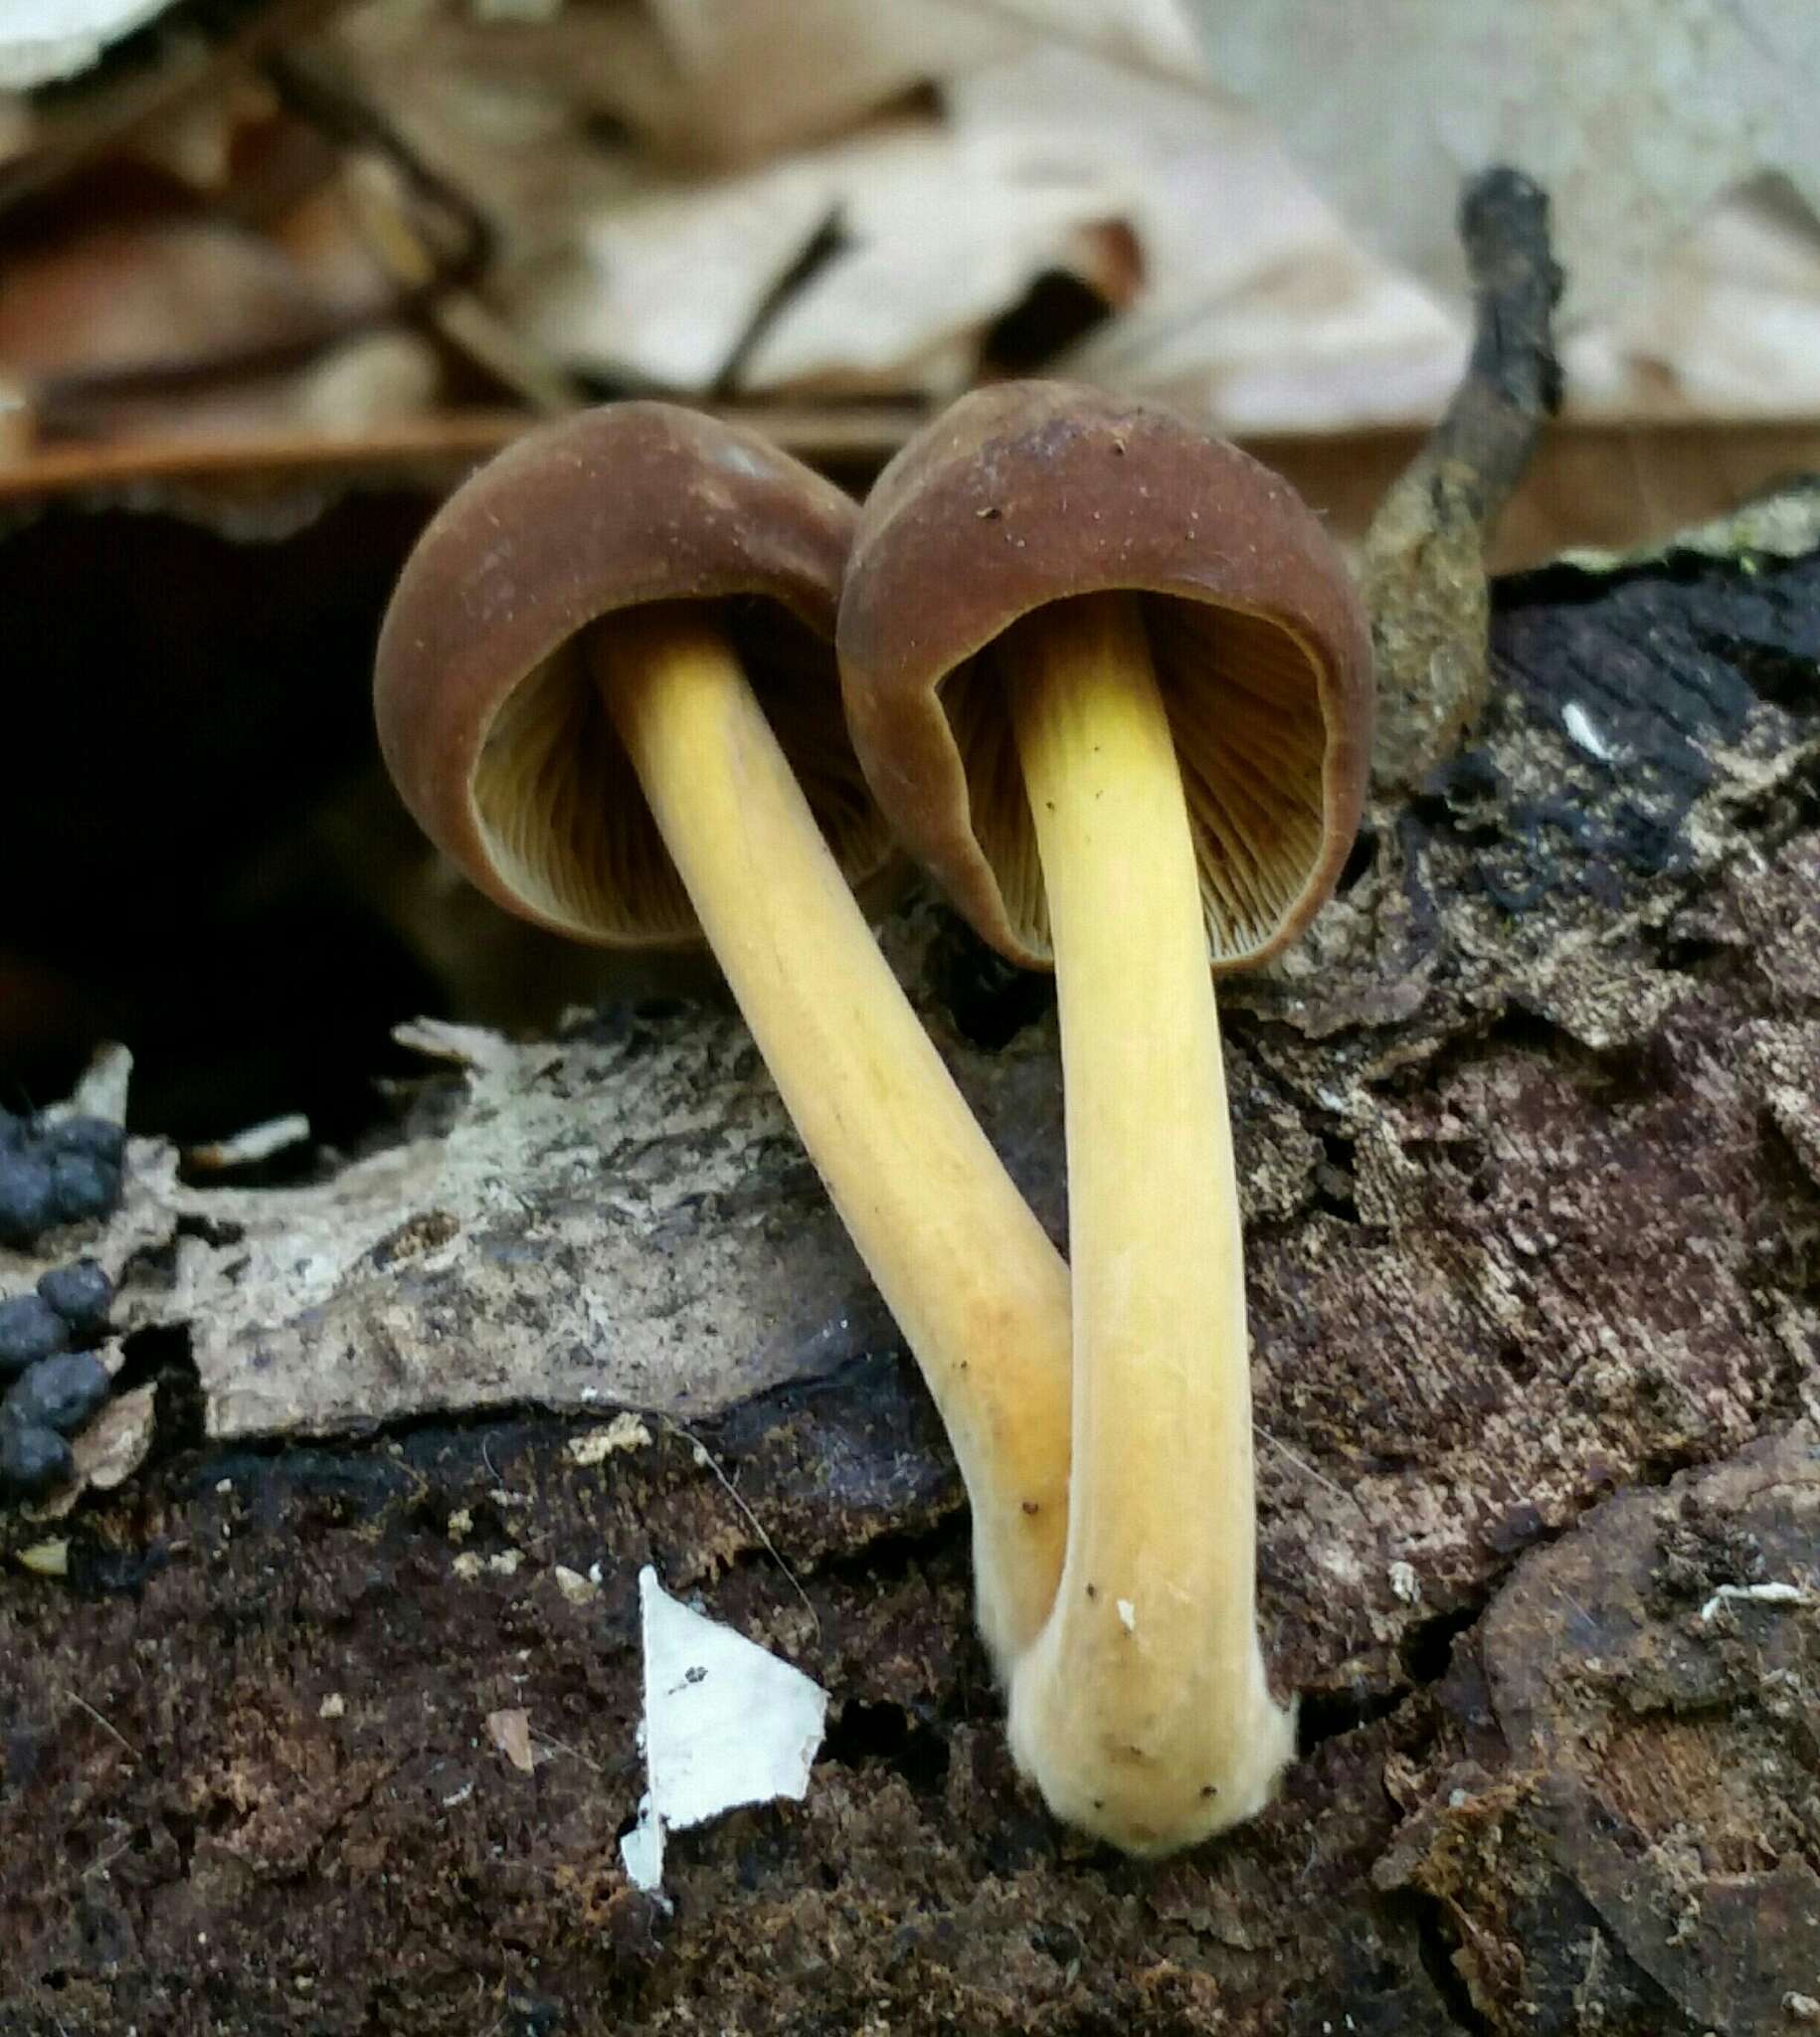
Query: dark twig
105, 1724
1512, 381
1424, 563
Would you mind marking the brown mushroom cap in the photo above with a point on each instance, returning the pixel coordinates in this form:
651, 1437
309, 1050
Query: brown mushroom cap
488, 718
1033, 492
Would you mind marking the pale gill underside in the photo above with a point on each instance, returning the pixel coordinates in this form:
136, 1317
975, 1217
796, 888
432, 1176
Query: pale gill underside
1242, 699
568, 824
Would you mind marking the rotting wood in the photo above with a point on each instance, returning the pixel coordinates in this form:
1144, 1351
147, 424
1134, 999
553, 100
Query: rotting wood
1534, 1220
1534, 1212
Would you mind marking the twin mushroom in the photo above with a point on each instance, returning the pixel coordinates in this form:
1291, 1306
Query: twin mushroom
1107, 679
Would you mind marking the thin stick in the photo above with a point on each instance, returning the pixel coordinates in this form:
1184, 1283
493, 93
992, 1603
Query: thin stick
561, 1747
1301, 1463
106, 1724
1424, 555
703, 1455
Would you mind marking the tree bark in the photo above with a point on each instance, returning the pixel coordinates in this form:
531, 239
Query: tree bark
1527, 1139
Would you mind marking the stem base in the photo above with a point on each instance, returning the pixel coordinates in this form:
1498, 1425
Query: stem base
1142, 1710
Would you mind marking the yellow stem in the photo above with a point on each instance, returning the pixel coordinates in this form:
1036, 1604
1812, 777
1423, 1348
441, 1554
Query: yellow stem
979, 1291
1142, 1710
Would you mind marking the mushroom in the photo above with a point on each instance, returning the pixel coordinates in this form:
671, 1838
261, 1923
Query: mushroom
1110, 682
606, 688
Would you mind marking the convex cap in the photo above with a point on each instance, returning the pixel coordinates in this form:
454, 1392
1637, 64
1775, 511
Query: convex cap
487, 718
1032, 493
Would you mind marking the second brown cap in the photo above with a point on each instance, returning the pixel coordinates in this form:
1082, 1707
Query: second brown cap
1033, 492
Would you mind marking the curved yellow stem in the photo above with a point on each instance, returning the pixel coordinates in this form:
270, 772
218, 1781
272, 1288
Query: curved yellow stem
979, 1291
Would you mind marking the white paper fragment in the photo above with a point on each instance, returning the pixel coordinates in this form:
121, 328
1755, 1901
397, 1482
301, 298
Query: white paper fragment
41, 41
1755, 1594
1583, 732
726, 1723
642, 1850
100, 1091
248, 1148
442, 1039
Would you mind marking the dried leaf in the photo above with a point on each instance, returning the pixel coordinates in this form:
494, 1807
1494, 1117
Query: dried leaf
1633, 116
660, 291
43, 41
114, 1444
510, 1733
1258, 307
941, 232
1729, 325
742, 85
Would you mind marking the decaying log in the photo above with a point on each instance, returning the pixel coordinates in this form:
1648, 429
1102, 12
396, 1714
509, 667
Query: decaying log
1532, 1180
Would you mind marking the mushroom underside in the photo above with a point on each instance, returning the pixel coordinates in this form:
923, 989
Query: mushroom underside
1242, 695
568, 826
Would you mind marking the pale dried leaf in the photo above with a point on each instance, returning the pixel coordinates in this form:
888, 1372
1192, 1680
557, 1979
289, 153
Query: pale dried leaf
753, 75
114, 1444
1728, 326
942, 231
508, 114
660, 290
743, 85
1258, 309
41, 41
1634, 116
940, 234
109, 1449
1156, 36
510, 1733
